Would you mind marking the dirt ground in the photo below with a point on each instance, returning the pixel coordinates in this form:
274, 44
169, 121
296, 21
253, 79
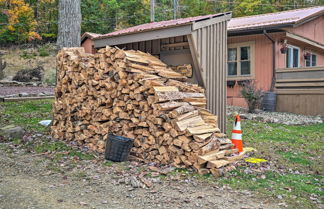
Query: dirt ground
32, 181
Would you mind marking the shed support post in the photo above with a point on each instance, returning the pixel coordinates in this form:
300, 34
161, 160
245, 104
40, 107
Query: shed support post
194, 55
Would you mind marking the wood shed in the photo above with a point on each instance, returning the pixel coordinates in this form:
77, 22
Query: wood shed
200, 41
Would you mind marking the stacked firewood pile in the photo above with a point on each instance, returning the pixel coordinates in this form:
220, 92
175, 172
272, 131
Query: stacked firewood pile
134, 94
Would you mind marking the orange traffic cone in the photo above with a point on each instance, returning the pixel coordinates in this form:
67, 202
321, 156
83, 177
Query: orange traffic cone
237, 133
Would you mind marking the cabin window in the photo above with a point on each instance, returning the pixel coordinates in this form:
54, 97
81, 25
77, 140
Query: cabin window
310, 61
239, 63
292, 57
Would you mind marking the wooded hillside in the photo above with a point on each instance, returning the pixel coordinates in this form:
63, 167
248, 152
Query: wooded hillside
28, 20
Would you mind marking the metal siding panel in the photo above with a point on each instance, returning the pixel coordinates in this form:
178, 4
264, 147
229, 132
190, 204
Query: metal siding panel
217, 71
212, 67
211, 44
223, 98
225, 70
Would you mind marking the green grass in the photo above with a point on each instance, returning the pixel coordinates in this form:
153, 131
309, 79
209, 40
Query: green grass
293, 147
26, 113
296, 157
62, 150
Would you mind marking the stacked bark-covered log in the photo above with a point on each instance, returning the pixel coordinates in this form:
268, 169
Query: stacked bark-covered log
134, 94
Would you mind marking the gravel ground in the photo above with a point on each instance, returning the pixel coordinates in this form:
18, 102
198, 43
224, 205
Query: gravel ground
7, 91
275, 117
33, 181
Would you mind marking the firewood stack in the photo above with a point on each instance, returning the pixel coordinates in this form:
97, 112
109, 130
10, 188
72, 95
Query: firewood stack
134, 94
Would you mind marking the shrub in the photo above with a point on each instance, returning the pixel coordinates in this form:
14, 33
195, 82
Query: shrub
252, 95
50, 77
43, 51
28, 54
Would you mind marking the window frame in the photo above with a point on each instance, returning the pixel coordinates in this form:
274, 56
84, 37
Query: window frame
311, 60
238, 46
299, 54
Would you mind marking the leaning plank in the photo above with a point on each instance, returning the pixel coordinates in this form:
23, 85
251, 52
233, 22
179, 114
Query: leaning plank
14, 99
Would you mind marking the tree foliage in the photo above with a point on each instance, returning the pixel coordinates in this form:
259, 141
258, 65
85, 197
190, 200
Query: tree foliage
23, 20
19, 22
253, 7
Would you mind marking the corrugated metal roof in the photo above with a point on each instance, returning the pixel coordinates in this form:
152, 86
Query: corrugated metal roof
158, 25
274, 19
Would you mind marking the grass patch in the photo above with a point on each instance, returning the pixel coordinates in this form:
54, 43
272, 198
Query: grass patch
108, 163
26, 113
299, 158
62, 150
296, 189
48, 146
295, 153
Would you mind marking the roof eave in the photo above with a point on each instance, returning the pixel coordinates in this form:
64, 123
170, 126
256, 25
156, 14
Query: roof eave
258, 29
167, 27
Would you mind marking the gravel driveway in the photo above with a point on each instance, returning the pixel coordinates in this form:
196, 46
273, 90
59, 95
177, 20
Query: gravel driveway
6, 91
29, 181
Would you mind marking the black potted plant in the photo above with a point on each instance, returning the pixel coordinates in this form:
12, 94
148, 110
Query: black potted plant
231, 83
283, 49
243, 82
307, 55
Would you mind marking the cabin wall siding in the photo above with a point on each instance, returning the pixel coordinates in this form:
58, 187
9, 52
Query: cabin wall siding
313, 30
263, 67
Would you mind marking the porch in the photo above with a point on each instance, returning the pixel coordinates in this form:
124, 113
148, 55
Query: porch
300, 90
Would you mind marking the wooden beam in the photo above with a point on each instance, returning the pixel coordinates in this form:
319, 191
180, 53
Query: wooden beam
15, 99
300, 69
303, 84
299, 80
317, 91
143, 36
175, 45
197, 69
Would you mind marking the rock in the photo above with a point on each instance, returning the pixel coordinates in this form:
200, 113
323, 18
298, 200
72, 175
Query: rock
23, 94
12, 131
45, 122
135, 183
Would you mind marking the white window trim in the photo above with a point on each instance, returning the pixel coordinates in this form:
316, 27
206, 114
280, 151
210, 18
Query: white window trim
311, 54
250, 44
294, 47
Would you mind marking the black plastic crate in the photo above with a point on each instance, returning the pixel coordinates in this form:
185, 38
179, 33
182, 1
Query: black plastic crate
118, 148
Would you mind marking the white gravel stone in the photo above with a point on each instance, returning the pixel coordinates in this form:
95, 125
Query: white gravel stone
275, 117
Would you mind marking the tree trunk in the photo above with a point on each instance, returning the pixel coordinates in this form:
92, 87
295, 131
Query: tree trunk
69, 23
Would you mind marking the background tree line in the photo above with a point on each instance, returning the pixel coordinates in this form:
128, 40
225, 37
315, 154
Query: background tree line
36, 20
